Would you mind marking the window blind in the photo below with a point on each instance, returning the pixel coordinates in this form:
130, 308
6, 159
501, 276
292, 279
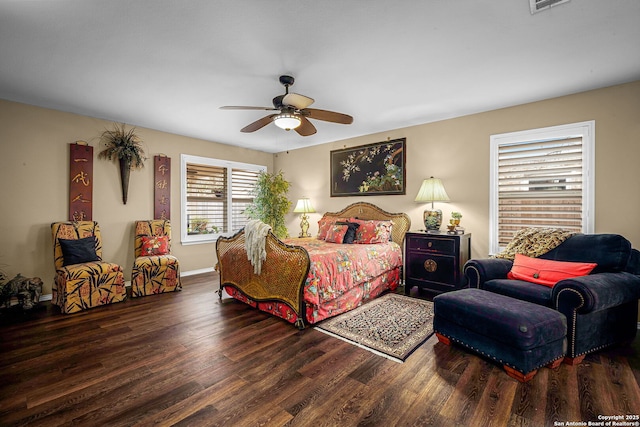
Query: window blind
243, 183
540, 184
206, 199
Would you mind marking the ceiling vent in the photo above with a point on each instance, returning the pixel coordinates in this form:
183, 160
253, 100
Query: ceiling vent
540, 5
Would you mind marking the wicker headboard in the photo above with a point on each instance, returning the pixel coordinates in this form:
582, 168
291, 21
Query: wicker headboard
364, 210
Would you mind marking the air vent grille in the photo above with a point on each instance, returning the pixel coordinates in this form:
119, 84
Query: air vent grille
540, 5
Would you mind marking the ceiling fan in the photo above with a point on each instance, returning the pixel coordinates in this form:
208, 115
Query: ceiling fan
293, 112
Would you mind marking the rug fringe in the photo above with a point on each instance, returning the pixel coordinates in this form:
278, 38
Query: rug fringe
374, 351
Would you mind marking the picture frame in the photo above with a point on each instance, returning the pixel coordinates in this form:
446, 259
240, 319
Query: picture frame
369, 170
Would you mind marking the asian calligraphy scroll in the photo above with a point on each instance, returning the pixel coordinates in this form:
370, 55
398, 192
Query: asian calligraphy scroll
162, 187
80, 182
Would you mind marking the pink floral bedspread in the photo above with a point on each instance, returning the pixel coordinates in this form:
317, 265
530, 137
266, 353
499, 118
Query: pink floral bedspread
336, 268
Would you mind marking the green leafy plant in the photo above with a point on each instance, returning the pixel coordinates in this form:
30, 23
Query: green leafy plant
270, 203
126, 147
456, 215
201, 226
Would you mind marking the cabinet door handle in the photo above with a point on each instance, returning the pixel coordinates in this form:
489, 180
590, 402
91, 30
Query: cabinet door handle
430, 265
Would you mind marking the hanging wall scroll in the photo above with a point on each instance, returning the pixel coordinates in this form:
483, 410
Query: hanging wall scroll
81, 182
162, 187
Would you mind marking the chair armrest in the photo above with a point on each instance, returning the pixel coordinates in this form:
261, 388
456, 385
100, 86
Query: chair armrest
478, 271
596, 292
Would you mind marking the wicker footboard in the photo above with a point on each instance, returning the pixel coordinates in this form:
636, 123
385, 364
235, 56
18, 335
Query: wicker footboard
282, 279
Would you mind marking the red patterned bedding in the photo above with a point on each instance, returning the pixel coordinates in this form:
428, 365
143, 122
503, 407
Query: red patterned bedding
337, 269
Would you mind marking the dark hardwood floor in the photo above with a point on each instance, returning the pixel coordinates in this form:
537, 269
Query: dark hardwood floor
187, 359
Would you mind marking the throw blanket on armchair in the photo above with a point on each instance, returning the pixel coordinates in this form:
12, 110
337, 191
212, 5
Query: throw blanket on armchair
534, 242
255, 235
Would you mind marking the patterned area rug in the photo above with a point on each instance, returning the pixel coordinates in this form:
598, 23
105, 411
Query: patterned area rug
392, 326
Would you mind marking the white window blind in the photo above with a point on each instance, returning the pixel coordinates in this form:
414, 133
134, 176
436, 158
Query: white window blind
206, 199
215, 196
541, 178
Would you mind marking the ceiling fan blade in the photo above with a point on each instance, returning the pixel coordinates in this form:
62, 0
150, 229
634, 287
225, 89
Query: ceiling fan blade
258, 124
242, 107
327, 116
306, 128
297, 100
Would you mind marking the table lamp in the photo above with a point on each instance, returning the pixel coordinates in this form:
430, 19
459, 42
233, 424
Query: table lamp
432, 190
304, 207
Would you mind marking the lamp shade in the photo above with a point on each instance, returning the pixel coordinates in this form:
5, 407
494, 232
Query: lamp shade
303, 206
287, 121
432, 190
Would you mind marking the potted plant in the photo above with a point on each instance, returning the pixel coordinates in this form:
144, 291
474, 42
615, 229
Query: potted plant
125, 147
270, 203
456, 216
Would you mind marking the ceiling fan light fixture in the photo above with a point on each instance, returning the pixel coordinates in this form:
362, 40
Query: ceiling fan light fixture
287, 121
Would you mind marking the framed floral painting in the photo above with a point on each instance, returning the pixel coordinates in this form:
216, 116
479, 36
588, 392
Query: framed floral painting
369, 170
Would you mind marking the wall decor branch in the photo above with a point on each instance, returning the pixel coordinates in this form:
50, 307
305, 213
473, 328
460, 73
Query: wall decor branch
125, 147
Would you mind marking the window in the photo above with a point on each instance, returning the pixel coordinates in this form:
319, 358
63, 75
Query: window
215, 194
541, 178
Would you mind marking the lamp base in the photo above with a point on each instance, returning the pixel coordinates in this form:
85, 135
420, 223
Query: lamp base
432, 219
304, 226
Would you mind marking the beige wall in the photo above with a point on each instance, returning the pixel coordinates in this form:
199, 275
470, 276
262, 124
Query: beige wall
34, 172
35, 161
457, 151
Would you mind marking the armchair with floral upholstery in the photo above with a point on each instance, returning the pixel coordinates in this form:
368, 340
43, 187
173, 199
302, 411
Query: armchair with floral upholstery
155, 270
83, 280
601, 307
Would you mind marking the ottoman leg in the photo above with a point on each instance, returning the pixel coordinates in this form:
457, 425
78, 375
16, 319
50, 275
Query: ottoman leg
443, 339
555, 364
523, 378
574, 360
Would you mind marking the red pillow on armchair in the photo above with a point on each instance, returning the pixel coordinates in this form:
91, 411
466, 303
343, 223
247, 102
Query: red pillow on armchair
547, 272
154, 245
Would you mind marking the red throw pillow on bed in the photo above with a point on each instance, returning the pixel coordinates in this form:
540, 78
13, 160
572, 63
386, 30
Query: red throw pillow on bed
547, 272
324, 224
154, 245
336, 233
372, 231
323, 227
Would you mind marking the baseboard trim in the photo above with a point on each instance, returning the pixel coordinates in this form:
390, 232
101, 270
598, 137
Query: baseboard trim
194, 272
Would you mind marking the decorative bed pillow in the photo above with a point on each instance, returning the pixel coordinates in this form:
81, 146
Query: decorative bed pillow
154, 245
336, 233
324, 224
372, 231
78, 251
546, 272
350, 235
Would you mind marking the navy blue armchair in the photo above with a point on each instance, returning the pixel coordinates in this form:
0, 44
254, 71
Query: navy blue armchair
601, 308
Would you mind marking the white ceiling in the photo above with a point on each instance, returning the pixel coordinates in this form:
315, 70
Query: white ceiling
169, 65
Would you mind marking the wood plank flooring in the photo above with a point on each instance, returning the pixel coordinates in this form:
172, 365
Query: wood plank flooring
187, 359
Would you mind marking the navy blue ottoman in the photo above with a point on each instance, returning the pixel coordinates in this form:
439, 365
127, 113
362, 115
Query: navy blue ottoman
519, 335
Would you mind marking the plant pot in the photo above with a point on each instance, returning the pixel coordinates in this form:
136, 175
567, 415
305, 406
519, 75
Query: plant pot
125, 171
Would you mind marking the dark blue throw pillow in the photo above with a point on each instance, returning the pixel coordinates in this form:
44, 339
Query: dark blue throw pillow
350, 235
78, 251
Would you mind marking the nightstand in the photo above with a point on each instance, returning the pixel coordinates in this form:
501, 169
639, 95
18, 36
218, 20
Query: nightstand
434, 261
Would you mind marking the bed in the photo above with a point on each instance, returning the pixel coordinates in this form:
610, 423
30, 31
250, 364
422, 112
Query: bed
306, 280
